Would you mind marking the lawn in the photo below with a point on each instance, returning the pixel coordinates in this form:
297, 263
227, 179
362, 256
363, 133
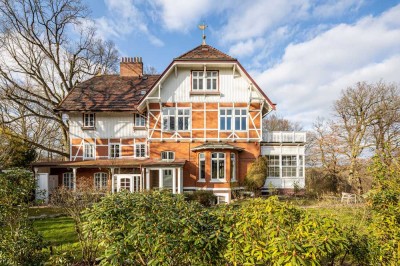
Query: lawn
57, 231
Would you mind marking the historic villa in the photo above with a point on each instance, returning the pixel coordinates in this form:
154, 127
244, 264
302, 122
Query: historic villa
197, 126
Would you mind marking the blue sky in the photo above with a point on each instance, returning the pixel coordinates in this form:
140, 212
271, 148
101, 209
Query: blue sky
302, 53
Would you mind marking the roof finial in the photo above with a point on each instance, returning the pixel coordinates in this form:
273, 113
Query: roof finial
203, 28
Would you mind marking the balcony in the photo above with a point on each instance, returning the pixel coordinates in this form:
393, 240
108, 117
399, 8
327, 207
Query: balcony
284, 137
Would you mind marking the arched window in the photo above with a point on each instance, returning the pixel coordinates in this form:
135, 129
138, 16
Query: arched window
100, 181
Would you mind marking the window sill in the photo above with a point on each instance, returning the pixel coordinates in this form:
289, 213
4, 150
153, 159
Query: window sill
201, 181
218, 181
88, 128
205, 93
139, 127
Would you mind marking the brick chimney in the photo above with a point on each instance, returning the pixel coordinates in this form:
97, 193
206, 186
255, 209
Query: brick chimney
131, 67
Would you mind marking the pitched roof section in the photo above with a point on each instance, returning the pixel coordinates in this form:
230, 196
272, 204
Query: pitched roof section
205, 52
108, 93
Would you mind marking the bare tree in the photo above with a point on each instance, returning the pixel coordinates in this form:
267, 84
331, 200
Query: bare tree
368, 117
386, 125
47, 48
275, 122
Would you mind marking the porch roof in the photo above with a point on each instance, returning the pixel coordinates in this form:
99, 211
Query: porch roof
117, 163
216, 146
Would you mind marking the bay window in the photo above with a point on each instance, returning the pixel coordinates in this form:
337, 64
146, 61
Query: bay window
218, 165
233, 167
202, 166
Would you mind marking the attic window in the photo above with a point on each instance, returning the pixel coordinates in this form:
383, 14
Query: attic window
142, 92
88, 120
204, 80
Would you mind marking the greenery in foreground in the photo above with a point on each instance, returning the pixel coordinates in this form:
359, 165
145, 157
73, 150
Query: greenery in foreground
163, 229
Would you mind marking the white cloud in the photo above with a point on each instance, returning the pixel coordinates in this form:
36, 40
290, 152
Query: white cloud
334, 8
254, 20
311, 74
124, 19
183, 15
247, 47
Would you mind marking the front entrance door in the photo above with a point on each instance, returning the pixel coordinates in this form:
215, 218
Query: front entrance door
128, 182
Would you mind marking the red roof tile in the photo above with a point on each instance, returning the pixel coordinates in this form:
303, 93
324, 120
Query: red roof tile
205, 52
108, 93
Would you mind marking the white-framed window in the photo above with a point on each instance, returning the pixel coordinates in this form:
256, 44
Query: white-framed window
233, 167
204, 81
176, 119
240, 119
233, 118
167, 155
273, 165
89, 120
289, 165
100, 180
115, 150
168, 119
202, 166
218, 165
125, 184
225, 119
88, 151
140, 120
183, 119
140, 150
301, 168
68, 180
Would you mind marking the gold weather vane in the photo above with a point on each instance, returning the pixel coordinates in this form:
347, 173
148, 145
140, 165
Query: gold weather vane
203, 28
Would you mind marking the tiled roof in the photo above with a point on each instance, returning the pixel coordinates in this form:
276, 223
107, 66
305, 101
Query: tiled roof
108, 93
111, 163
216, 146
205, 52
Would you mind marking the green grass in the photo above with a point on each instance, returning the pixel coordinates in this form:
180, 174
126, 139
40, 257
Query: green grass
57, 231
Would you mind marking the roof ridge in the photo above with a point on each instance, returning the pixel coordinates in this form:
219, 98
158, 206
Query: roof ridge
220, 55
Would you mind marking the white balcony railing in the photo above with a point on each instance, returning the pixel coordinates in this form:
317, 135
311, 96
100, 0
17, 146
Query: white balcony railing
284, 137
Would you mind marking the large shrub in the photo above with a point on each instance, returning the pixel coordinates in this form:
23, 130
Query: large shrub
257, 174
154, 229
268, 232
20, 244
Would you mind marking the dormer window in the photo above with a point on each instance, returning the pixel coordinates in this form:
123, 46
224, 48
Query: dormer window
204, 80
89, 120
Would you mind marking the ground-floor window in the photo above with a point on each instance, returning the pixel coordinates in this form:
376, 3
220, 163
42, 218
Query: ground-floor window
68, 180
233, 167
217, 165
202, 166
100, 181
289, 165
273, 165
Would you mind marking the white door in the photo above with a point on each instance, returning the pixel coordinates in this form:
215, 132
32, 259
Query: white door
42, 186
167, 178
128, 182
